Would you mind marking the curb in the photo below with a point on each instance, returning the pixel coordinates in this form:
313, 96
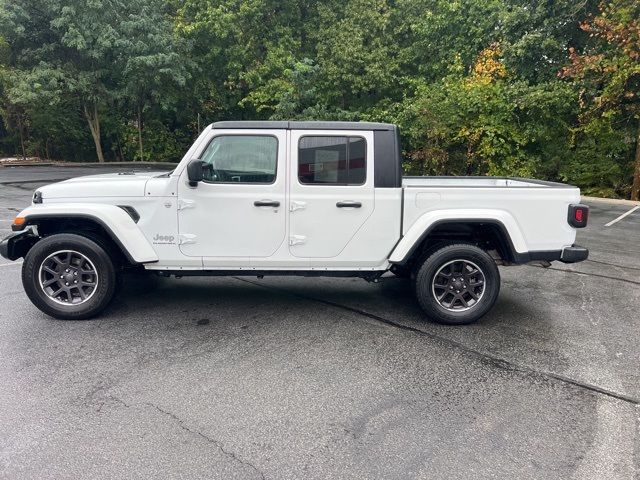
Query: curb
612, 201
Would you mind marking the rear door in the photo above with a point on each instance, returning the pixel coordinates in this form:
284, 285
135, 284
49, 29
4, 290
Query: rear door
239, 210
331, 190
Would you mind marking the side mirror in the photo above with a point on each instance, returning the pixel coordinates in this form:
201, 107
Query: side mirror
195, 171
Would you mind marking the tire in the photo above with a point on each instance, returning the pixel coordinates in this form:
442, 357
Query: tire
68, 259
457, 284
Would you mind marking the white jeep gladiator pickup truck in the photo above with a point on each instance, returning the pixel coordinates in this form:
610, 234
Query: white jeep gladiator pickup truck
292, 198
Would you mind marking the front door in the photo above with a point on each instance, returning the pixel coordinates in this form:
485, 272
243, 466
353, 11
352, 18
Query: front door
239, 208
331, 190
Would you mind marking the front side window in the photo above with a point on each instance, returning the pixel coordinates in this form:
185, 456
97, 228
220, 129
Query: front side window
241, 159
332, 160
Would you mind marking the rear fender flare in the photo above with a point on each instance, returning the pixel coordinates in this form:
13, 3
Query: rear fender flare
427, 222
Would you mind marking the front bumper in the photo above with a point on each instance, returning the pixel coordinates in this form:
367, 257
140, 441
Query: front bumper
17, 244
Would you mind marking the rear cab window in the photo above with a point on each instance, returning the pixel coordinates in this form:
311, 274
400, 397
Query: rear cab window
332, 160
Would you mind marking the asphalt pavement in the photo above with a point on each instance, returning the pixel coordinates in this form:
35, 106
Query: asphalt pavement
327, 378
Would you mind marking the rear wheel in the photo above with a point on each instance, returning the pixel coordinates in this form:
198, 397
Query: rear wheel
69, 276
457, 284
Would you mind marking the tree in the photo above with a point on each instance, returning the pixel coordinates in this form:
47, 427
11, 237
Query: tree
535, 35
484, 122
357, 56
72, 57
608, 72
90, 53
473, 83
153, 60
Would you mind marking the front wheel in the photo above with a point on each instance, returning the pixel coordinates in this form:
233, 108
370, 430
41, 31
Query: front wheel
69, 276
457, 284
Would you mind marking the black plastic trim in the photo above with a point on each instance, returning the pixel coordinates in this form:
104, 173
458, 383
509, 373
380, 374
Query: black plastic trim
574, 254
571, 254
4, 248
515, 256
387, 160
133, 213
298, 125
349, 204
17, 244
266, 203
252, 124
536, 256
366, 274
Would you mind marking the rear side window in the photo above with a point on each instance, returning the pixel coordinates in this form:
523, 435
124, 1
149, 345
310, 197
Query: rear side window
241, 159
332, 160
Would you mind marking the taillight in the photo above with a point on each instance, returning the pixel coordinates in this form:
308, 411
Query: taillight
578, 215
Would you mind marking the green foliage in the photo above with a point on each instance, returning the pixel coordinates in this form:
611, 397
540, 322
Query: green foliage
599, 161
486, 123
479, 87
88, 56
356, 54
475, 128
608, 73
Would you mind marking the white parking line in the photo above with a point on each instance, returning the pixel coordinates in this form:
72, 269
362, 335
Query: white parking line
10, 264
622, 216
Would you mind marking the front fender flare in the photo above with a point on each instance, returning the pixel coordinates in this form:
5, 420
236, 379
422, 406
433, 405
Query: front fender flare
427, 222
116, 222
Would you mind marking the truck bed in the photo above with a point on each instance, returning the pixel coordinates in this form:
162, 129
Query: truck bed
478, 182
524, 205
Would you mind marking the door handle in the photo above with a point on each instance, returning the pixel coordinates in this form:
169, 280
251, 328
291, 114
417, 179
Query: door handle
348, 204
266, 203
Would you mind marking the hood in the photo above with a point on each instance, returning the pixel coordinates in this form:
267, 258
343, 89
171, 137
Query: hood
127, 184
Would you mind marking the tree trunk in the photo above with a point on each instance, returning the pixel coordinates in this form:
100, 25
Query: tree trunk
19, 118
635, 189
94, 125
121, 155
140, 132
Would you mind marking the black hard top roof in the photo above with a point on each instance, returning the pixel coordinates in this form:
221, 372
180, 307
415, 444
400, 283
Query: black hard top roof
275, 124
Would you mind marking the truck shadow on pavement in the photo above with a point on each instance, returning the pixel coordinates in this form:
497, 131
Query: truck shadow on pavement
391, 298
